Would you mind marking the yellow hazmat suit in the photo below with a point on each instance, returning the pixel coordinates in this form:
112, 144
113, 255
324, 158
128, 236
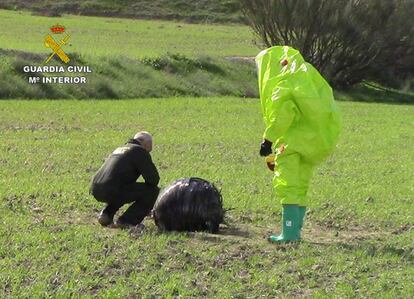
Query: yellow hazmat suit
301, 118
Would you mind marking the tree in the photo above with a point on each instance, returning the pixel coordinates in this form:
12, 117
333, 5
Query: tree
343, 39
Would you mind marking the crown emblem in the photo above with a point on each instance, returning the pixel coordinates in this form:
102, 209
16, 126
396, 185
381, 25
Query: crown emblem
57, 29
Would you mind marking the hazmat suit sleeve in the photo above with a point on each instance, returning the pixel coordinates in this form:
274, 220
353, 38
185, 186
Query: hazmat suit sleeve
280, 112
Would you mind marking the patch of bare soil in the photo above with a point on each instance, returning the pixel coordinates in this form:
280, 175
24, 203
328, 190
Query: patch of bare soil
311, 233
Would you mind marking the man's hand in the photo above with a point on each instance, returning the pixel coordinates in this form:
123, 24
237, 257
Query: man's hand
265, 148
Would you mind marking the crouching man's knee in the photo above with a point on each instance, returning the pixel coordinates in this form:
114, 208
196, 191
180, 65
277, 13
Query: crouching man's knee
101, 194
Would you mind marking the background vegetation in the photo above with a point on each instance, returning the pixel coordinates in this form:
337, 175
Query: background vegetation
347, 40
122, 77
97, 37
128, 62
200, 11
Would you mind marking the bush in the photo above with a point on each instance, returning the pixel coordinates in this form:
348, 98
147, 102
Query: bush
344, 39
177, 63
394, 65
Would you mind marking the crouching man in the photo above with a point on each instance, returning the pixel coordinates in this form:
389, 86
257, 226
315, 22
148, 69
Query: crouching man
116, 184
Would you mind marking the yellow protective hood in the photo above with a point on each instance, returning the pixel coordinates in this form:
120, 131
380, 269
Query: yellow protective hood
297, 104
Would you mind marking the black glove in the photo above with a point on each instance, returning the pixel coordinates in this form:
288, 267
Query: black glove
265, 148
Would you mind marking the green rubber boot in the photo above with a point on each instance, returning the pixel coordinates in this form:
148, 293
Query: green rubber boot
290, 225
302, 213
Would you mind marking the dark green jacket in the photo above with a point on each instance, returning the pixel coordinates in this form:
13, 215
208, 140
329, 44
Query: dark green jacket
122, 168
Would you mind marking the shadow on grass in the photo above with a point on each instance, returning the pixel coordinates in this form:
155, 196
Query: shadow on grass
371, 93
234, 231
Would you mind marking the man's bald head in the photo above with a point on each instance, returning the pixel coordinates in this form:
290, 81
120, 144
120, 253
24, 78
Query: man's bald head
145, 139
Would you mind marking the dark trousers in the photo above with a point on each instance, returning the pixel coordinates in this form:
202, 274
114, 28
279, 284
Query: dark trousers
141, 195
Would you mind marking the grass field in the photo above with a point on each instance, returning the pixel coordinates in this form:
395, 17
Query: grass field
125, 57
94, 36
124, 78
358, 234
200, 11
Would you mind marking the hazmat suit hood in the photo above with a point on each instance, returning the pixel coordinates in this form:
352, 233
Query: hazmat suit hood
298, 106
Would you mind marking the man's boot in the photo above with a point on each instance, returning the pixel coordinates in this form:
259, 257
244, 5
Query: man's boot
106, 216
290, 225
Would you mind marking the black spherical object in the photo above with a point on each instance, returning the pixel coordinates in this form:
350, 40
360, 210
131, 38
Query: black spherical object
189, 204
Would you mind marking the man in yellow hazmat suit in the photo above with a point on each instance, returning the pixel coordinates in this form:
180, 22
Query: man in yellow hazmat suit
302, 125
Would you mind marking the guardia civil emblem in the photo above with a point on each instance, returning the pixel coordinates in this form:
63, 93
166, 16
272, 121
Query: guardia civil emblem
56, 46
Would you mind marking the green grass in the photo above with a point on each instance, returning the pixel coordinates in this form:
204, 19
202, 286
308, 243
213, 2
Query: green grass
358, 234
121, 77
128, 58
191, 11
98, 37
374, 93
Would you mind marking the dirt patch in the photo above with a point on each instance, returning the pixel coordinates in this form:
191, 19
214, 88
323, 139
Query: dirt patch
403, 229
318, 234
312, 233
